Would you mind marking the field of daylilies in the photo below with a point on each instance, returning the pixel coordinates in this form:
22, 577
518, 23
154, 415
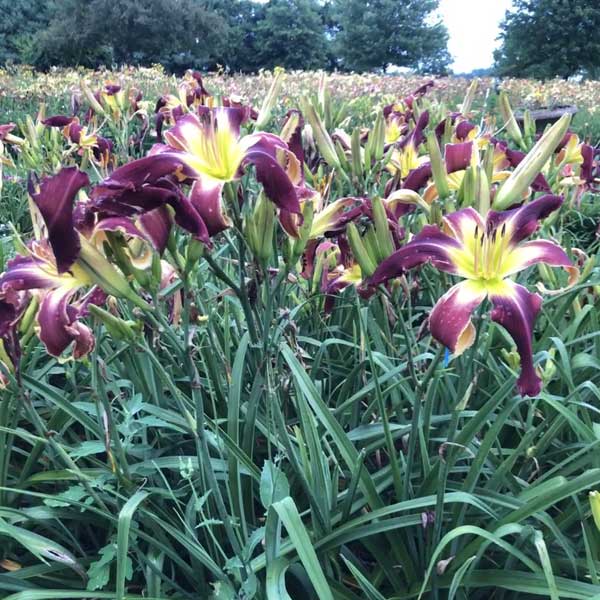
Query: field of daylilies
297, 336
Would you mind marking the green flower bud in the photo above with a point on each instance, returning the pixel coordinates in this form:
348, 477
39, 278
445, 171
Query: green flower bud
259, 229
594, 498
512, 128
376, 139
322, 138
269, 101
294, 247
366, 261
469, 96
119, 329
96, 106
95, 265
528, 126
527, 170
28, 319
356, 154
385, 243
438, 166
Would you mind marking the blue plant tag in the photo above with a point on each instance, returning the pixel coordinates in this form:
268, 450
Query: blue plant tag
447, 357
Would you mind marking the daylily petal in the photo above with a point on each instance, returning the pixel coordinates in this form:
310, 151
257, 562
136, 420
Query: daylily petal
153, 226
537, 251
418, 177
209, 145
450, 320
156, 224
102, 149
420, 91
122, 224
516, 309
429, 245
12, 306
463, 129
8, 314
463, 224
277, 185
147, 170
187, 216
58, 121
59, 326
206, 199
29, 273
523, 221
335, 216
458, 156
587, 167
262, 141
440, 128
291, 133
129, 202
55, 202
186, 133
231, 117
5, 130
416, 136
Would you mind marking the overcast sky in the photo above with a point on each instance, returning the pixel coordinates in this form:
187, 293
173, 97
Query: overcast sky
473, 28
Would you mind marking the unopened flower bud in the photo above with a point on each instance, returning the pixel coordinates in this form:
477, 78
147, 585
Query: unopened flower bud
118, 328
100, 271
594, 498
438, 166
269, 101
366, 261
385, 243
510, 122
322, 138
529, 168
259, 229
295, 246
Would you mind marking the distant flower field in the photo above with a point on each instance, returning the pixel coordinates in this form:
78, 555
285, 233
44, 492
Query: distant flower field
21, 88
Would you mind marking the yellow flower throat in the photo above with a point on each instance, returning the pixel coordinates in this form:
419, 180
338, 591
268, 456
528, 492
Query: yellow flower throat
489, 252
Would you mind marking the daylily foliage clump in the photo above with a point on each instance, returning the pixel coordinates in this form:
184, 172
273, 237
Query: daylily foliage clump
164, 230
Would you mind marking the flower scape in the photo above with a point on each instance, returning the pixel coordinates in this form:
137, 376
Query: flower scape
376, 327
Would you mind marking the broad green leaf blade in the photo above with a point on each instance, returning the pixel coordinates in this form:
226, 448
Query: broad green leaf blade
286, 511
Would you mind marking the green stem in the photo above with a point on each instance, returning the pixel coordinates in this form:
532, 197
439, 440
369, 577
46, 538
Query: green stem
241, 295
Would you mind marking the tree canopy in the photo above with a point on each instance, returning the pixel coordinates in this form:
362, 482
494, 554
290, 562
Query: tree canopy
21, 20
240, 35
550, 38
378, 33
173, 33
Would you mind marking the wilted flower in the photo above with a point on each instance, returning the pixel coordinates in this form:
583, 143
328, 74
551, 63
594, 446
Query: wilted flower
98, 148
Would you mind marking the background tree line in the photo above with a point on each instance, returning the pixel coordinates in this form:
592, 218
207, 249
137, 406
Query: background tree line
241, 35
550, 38
539, 38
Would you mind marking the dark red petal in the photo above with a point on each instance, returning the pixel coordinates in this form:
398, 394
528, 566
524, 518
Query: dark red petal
55, 200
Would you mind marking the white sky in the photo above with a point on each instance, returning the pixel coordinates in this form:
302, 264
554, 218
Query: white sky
473, 26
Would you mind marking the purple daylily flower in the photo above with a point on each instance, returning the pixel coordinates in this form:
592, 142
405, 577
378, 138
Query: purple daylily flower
485, 252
